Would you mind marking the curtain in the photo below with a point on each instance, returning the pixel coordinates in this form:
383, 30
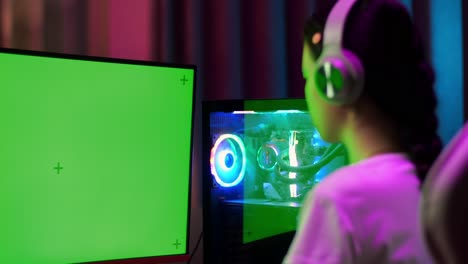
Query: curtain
242, 49
465, 57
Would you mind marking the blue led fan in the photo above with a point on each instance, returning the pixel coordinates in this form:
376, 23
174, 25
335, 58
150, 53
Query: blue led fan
228, 160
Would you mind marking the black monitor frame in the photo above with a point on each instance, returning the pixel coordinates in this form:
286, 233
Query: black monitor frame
143, 259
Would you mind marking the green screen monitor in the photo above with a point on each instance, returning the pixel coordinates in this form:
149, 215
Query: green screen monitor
95, 159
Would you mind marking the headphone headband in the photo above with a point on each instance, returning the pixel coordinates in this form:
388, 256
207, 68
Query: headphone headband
339, 76
336, 21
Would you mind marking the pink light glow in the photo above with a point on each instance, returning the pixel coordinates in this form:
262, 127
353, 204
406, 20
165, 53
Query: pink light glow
130, 29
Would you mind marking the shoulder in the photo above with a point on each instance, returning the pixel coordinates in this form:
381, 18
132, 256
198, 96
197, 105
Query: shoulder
340, 185
325, 233
355, 212
383, 187
375, 176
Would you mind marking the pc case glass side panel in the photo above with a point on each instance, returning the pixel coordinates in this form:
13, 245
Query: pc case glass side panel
273, 156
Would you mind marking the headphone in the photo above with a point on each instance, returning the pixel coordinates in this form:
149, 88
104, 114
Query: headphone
339, 75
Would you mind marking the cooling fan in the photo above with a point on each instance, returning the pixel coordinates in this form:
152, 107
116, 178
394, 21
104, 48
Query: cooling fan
228, 160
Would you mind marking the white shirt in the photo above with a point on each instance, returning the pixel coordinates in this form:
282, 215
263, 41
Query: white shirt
363, 213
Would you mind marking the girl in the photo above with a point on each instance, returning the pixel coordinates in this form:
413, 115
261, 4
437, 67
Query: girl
367, 212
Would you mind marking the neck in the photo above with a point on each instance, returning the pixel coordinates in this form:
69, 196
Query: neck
369, 135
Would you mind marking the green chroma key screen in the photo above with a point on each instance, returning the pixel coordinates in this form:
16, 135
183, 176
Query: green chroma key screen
94, 158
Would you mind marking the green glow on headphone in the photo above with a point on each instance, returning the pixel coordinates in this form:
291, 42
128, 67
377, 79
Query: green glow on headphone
329, 80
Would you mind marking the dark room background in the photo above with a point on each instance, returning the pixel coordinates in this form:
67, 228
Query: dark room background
242, 48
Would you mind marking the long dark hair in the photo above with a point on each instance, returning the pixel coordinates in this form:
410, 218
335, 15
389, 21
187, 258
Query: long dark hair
398, 78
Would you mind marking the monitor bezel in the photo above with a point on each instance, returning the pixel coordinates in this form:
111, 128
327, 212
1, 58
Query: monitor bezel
58, 55
79, 57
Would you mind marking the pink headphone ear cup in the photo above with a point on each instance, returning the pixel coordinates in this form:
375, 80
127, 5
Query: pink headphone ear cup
356, 76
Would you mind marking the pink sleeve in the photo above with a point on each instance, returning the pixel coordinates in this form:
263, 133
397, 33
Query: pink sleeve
325, 232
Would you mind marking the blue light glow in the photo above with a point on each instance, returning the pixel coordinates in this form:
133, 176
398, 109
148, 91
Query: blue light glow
228, 160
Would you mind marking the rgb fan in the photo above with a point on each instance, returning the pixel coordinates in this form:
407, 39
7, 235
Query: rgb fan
228, 160
267, 156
